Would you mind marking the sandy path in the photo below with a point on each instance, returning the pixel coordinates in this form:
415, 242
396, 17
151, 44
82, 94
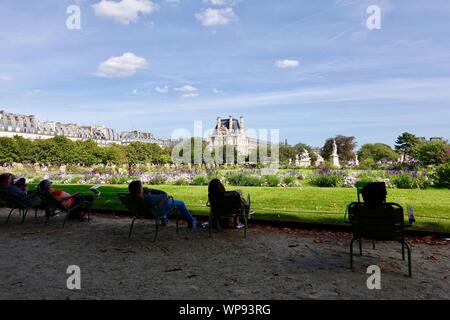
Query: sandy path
270, 264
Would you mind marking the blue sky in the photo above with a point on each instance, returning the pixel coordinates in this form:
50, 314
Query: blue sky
309, 68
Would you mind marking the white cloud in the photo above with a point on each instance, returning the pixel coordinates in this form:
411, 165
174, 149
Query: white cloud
187, 89
215, 2
123, 66
4, 78
163, 89
214, 17
189, 95
124, 11
287, 64
136, 91
217, 91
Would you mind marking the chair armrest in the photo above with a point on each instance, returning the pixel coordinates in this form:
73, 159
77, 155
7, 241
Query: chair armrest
30, 196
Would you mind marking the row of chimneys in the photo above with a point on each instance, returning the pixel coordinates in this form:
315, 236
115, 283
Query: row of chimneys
230, 124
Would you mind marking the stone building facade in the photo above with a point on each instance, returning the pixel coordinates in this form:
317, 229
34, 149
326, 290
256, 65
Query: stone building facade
29, 127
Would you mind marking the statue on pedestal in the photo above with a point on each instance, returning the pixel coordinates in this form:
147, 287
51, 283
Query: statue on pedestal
305, 159
334, 156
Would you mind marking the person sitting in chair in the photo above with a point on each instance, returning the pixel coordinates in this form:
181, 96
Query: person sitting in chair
160, 199
228, 199
17, 190
374, 195
69, 200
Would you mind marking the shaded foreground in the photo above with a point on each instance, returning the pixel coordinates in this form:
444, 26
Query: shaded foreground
270, 264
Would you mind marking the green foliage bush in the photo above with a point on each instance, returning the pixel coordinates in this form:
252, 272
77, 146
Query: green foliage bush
272, 181
327, 181
242, 179
200, 180
290, 181
181, 182
408, 181
443, 175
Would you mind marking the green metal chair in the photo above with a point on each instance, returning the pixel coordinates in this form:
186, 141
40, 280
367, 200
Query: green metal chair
378, 224
18, 204
219, 208
53, 205
141, 209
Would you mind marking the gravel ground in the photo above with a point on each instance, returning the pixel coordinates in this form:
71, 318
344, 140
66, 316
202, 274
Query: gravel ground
271, 264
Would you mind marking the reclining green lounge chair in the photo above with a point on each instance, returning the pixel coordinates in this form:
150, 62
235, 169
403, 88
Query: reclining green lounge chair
141, 209
53, 206
219, 209
18, 204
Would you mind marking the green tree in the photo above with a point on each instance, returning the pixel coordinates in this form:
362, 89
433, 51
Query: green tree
345, 146
114, 154
9, 152
406, 143
432, 152
377, 152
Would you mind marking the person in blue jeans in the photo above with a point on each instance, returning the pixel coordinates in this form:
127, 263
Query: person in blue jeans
160, 199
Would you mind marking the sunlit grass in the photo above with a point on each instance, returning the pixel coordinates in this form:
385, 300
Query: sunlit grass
308, 204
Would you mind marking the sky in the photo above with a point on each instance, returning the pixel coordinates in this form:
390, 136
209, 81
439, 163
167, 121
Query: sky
312, 69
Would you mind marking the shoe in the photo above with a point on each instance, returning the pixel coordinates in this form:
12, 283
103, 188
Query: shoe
240, 226
205, 225
164, 222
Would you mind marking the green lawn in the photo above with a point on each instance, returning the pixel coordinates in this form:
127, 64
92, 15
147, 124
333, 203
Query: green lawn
308, 204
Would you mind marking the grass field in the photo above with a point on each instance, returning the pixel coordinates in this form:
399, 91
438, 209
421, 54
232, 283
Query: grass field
308, 204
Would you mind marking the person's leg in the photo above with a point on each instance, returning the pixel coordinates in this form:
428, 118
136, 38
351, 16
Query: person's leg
185, 212
76, 214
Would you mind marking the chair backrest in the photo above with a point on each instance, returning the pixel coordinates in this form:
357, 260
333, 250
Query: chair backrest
384, 223
223, 205
49, 200
137, 206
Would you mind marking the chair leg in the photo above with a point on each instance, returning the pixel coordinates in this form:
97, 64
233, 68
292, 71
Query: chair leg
178, 220
131, 228
408, 247
210, 220
66, 218
245, 227
403, 251
24, 215
351, 253
157, 229
9, 215
360, 246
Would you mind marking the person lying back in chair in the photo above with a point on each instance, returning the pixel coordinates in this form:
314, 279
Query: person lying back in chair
17, 190
68, 200
227, 199
160, 199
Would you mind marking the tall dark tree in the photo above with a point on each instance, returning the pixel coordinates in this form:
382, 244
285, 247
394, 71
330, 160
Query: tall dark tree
406, 143
345, 146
